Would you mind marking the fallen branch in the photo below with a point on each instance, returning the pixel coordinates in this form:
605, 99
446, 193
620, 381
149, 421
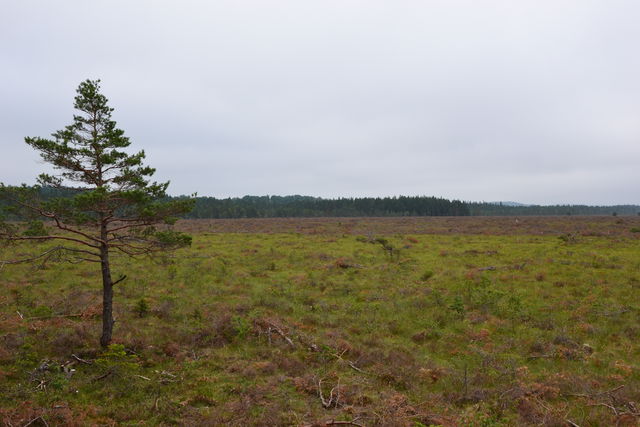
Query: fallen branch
592, 396
270, 326
101, 377
54, 316
280, 332
166, 373
36, 419
606, 405
348, 423
612, 390
331, 402
86, 362
351, 364
167, 377
617, 407
542, 356
335, 423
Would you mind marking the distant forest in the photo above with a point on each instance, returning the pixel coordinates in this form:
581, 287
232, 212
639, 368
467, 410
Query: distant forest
497, 209
307, 206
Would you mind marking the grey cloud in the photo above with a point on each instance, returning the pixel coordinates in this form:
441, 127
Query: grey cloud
535, 101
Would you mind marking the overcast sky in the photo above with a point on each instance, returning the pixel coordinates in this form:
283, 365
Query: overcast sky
531, 101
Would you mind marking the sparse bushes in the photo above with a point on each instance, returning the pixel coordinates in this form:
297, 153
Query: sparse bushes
428, 274
569, 238
116, 361
241, 327
482, 295
457, 307
141, 308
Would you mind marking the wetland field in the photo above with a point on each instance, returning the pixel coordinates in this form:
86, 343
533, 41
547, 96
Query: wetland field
449, 321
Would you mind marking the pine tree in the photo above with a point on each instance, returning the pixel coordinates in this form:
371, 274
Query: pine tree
109, 203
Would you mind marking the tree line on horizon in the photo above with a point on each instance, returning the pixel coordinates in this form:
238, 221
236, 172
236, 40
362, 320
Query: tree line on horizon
308, 206
499, 209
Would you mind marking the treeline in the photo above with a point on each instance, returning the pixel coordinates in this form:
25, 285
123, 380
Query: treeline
305, 206
497, 209
8, 208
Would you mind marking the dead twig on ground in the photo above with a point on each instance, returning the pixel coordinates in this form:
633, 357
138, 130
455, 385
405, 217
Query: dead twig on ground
86, 362
616, 406
333, 398
351, 364
348, 423
39, 417
101, 377
273, 327
607, 392
541, 356
352, 422
167, 377
54, 316
606, 405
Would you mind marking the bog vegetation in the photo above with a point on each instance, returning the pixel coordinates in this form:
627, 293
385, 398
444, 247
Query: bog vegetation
496, 322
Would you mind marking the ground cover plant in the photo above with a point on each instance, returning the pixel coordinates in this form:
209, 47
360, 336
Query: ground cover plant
407, 322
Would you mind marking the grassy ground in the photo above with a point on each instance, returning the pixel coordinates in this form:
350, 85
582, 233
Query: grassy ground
337, 320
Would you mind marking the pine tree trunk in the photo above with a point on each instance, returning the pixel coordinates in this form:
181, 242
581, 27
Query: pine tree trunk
107, 297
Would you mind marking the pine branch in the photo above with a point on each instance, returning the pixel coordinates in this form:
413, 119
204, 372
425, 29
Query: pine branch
49, 253
43, 238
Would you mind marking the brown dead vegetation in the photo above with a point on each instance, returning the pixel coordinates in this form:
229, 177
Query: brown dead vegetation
528, 225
